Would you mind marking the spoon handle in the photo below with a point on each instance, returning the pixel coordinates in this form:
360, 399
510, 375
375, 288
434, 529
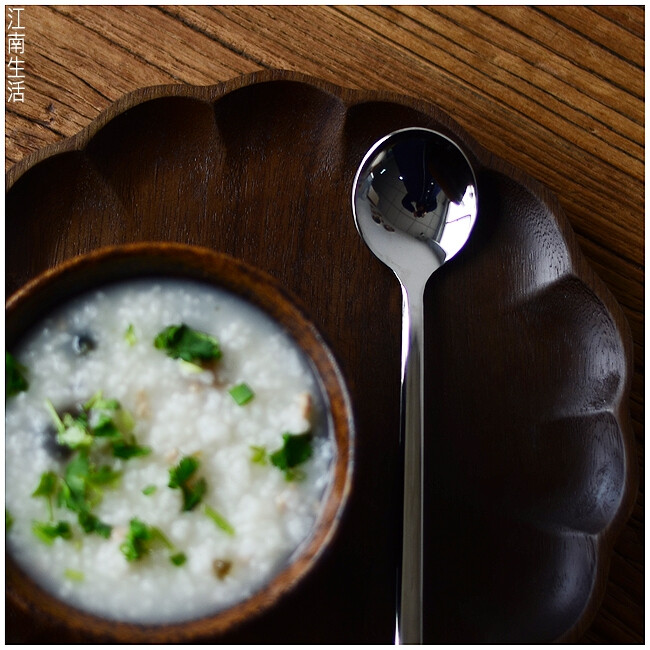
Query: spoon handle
409, 609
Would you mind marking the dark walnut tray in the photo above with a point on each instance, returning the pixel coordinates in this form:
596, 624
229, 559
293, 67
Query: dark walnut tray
530, 473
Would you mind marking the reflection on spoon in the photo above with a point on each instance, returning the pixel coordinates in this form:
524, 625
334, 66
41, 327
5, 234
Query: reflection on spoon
414, 202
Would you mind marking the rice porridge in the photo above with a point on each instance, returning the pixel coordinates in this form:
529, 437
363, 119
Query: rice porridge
166, 451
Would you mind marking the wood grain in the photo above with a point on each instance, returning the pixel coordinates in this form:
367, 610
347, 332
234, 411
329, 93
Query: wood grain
557, 91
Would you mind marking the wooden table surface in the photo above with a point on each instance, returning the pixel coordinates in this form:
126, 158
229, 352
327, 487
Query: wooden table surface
557, 91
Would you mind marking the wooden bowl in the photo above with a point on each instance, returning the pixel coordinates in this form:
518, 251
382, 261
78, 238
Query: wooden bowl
33, 301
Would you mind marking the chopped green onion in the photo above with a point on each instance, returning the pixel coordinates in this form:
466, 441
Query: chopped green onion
15, 381
218, 519
242, 394
150, 489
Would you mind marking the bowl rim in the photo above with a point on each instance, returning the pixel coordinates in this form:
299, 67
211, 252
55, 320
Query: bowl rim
122, 262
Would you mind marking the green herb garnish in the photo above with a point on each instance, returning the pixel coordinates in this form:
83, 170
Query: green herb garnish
128, 450
98, 403
259, 455
47, 487
242, 394
183, 471
218, 519
295, 450
9, 521
100, 418
101, 425
150, 489
138, 540
15, 381
178, 559
71, 431
129, 335
91, 524
82, 488
47, 532
74, 575
183, 342
104, 475
141, 539
183, 477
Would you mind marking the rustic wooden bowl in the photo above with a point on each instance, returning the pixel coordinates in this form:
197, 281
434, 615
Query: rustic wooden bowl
530, 457
38, 297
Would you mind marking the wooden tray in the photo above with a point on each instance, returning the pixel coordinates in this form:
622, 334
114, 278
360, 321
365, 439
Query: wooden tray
529, 458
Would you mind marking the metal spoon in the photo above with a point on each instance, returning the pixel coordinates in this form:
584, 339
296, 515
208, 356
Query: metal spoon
414, 202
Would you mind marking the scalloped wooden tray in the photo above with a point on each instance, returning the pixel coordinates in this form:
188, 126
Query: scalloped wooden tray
530, 470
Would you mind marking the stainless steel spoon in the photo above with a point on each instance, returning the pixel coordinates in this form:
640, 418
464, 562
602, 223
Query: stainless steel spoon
414, 202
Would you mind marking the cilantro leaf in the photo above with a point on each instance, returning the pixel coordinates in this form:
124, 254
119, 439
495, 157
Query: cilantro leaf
183, 477
116, 428
178, 559
183, 471
128, 450
83, 482
92, 524
98, 403
48, 487
183, 342
104, 475
141, 539
106, 428
137, 541
295, 450
76, 433
76, 482
47, 532
72, 432
15, 381
193, 493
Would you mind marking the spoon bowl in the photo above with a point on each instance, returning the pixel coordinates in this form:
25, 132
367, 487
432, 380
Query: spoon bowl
414, 203
415, 195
